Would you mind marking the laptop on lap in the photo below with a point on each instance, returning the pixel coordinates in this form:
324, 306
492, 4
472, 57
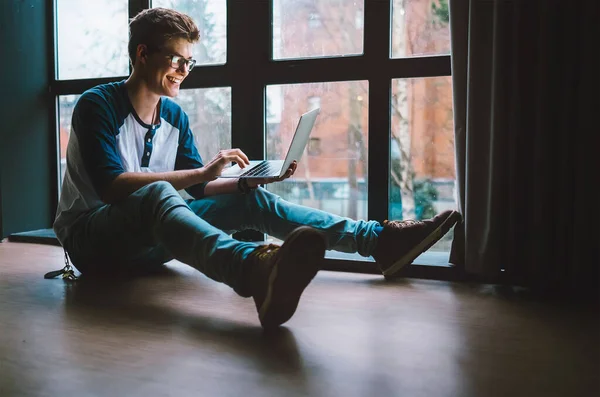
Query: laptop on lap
277, 168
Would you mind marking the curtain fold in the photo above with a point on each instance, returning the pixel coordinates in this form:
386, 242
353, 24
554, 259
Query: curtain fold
525, 89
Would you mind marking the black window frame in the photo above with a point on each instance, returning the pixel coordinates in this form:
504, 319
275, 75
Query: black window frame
249, 69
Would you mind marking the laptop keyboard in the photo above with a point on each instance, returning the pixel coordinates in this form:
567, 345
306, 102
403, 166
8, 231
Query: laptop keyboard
262, 169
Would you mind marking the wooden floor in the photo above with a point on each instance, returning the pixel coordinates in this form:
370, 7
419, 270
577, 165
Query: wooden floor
181, 334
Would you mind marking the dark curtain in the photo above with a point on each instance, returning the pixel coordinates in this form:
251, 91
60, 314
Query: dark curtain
526, 89
1, 224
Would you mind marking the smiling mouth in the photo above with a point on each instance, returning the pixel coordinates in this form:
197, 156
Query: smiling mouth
174, 80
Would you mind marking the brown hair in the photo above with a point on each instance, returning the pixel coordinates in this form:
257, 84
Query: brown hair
154, 26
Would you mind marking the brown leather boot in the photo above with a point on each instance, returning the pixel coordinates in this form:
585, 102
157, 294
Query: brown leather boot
279, 275
401, 242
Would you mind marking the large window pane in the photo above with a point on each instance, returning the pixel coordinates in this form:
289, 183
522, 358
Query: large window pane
317, 28
209, 110
92, 38
332, 174
422, 179
211, 18
420, 27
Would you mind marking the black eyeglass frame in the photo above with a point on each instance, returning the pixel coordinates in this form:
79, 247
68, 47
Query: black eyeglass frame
177, 62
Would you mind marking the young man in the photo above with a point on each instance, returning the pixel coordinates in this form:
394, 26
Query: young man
131, 150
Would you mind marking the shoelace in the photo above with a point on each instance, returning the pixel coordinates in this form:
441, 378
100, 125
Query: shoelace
403, 224
265, 251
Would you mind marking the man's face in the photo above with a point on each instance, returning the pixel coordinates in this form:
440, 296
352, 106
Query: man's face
164, 75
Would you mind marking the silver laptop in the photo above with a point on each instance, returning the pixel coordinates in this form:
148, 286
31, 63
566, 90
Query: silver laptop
277, 168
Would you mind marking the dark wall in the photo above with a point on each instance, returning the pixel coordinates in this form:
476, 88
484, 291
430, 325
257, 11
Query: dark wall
26, 136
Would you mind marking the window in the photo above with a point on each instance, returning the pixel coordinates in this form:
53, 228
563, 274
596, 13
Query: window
317, 28
209, 111
314, 146
359, 19
422, 174
314, 102
314, 20
420, 27
382, 147
274, 105
334, 180
92, 39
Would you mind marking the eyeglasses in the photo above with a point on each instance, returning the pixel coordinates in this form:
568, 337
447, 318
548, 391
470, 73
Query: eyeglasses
178, 62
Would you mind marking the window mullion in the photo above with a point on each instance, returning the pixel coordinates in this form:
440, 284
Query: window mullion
52, 75
247, 53
135, 7
377, 31
377, 52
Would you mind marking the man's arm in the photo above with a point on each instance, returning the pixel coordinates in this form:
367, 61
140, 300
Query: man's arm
126, 183
129, 182
221, 186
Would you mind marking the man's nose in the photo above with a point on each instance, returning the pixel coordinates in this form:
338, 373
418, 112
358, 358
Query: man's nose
184, 68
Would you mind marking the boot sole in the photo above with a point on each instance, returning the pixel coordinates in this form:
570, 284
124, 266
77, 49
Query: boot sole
424, 245
292, 273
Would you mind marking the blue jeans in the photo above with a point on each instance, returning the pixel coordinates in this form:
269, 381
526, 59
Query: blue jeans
155, 225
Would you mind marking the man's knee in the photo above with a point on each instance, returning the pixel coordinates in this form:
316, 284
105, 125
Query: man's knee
161, 194
262, 198
159, 187
158, 191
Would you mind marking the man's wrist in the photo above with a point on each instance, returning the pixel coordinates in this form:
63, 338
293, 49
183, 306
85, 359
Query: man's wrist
199, 175
244, 187
251, 185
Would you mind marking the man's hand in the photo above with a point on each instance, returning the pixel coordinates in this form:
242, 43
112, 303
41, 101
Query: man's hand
214, 167
254, 182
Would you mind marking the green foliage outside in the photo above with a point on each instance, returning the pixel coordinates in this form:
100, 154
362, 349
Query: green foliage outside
441, 12
425, 194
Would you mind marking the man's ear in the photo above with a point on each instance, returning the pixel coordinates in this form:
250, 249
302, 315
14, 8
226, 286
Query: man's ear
142, 52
